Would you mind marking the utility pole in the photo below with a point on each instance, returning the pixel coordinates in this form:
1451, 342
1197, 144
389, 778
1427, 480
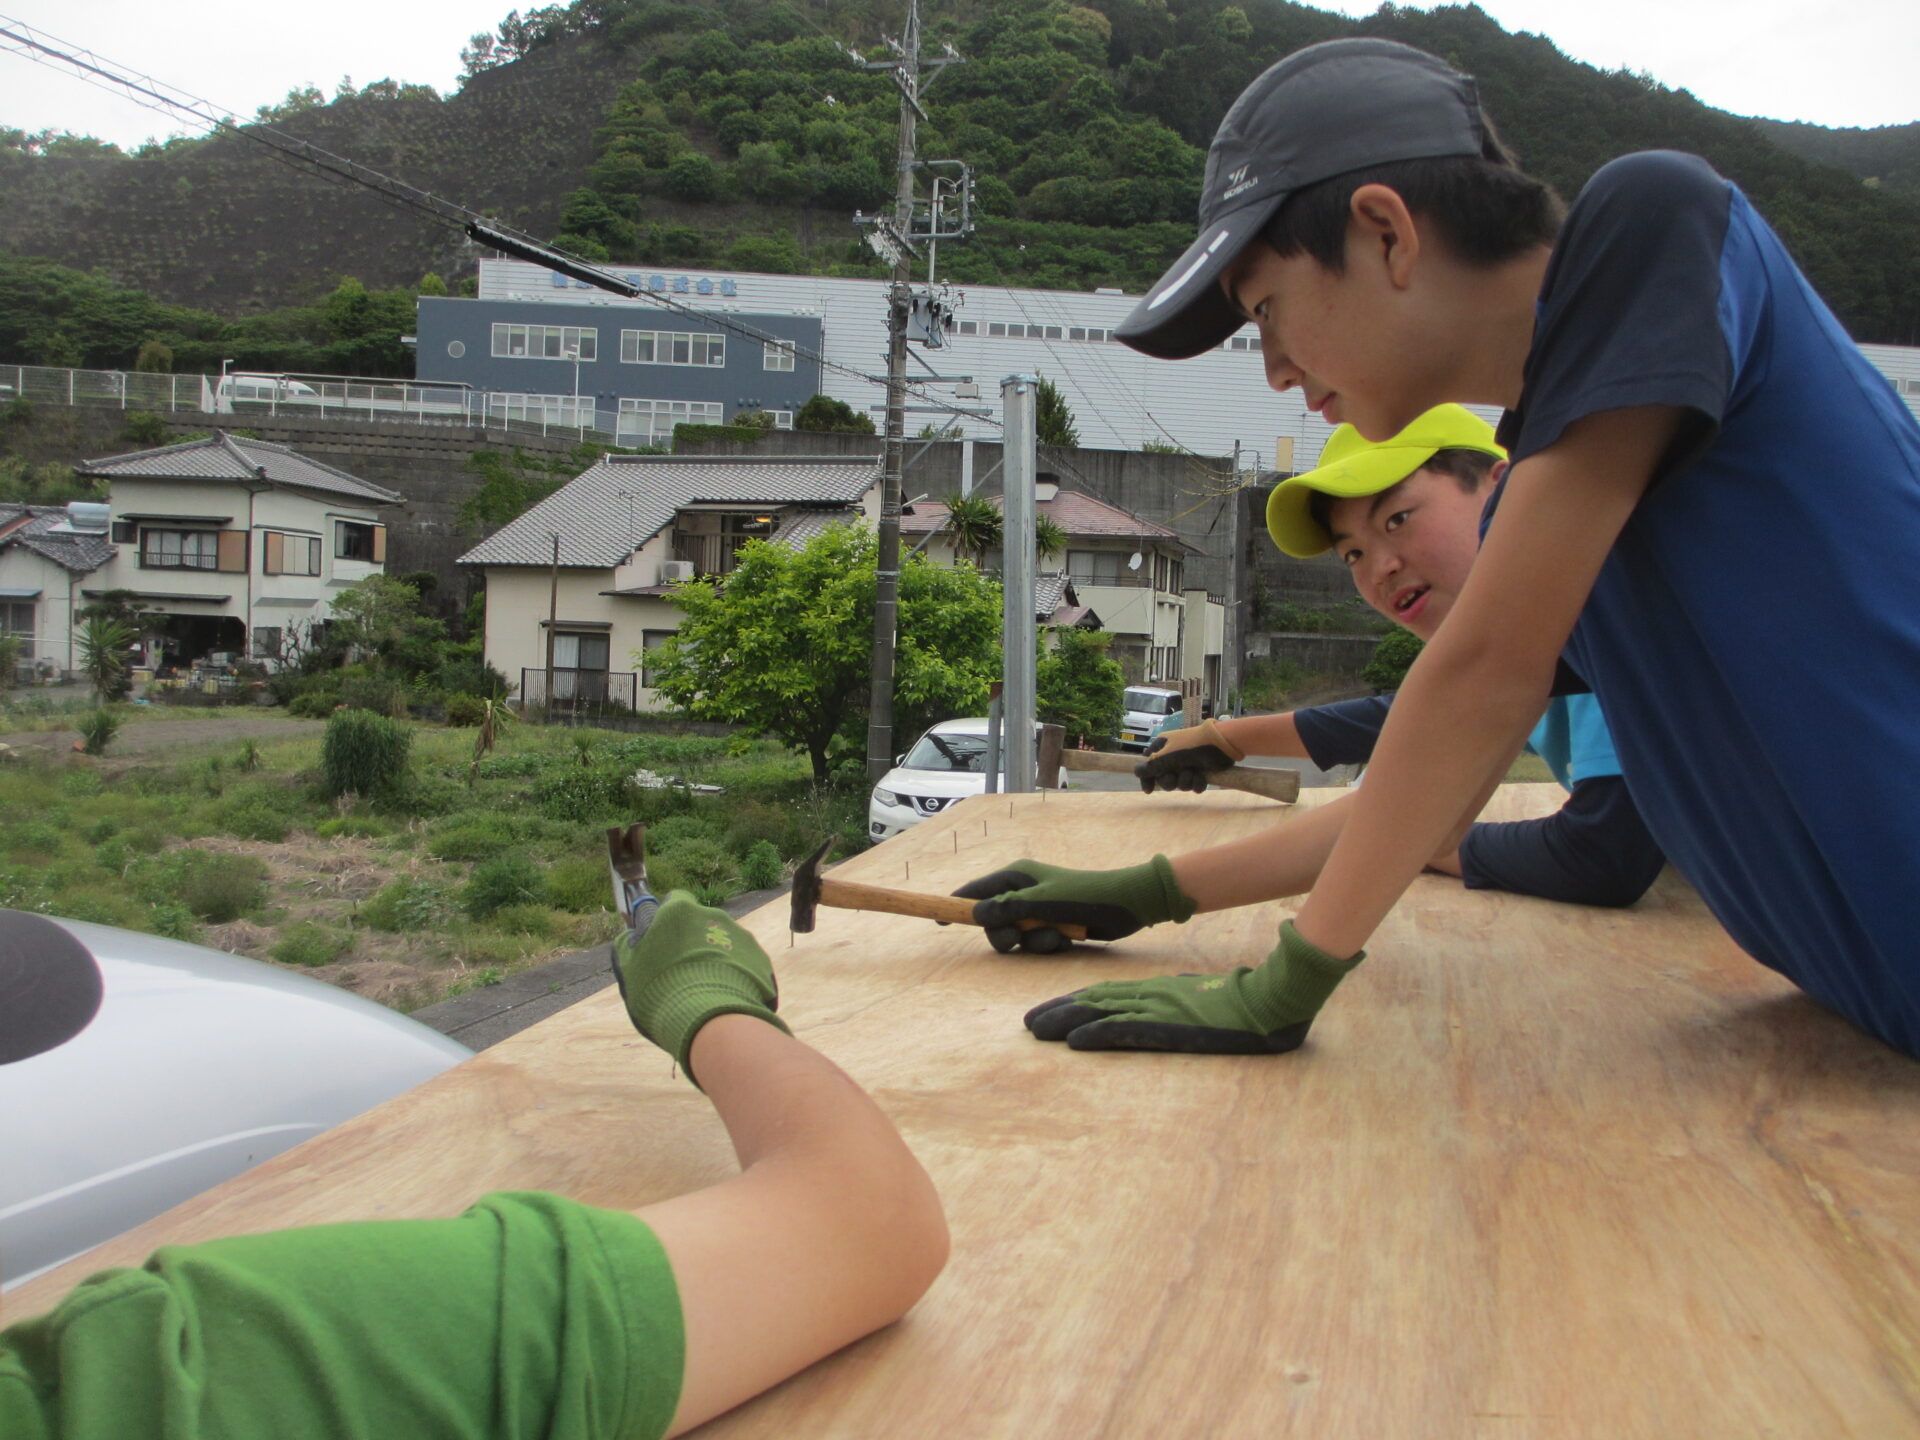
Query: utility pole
894, 242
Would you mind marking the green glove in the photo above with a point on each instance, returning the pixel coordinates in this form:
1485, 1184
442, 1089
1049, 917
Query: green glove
1110, 903
685, 966
1258, 1011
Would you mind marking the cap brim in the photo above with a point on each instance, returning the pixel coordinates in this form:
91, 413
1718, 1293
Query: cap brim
1289, 514
1187, 313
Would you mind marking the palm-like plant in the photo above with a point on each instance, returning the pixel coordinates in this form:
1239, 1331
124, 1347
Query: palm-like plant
1049, 540
973, 525
103, 655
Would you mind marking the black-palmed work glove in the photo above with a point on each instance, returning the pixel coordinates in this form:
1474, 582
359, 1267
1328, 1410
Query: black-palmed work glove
1182, 759
1264, 1010
1110, 903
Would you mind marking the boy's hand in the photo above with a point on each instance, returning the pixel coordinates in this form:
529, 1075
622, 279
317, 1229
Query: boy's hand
691, 964
1182, 759
1110, 903
1261, 1011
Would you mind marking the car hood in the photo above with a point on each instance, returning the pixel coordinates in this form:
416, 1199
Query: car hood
903, 781
197, 1065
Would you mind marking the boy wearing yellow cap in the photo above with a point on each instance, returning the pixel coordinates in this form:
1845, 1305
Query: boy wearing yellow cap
1405, 518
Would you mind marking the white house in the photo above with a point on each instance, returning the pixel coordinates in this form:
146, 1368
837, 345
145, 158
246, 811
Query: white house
1127, 571
228, 544
47, 552
596, 561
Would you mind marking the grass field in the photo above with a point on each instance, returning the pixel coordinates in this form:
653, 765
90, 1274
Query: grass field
458, 877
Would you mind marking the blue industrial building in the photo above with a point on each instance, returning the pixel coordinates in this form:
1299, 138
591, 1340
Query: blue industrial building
635, 371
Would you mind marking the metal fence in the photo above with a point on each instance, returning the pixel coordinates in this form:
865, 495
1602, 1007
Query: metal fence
576, 690
404, 402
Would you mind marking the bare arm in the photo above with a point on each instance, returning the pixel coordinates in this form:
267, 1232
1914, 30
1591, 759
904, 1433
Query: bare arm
831, 1230
1476, 690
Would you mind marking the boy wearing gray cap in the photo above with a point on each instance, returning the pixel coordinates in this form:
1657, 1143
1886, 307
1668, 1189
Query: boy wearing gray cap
1712, 514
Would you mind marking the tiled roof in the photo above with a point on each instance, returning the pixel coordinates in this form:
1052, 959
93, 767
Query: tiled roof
612, 509
1048, 592
80, 552
226, 457
1080, 516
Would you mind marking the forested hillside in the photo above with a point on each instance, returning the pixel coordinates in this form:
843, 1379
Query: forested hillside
737, 134
1886, 156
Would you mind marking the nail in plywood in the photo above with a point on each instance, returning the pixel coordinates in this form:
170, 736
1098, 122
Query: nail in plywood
1539, 1171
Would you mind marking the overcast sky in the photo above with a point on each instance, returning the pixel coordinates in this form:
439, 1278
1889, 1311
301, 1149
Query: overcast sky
1833, 64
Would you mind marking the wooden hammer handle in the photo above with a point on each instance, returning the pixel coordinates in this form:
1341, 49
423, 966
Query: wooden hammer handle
851, 895
1281, 785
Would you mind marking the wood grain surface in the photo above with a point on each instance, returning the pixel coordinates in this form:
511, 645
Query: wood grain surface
1540, 1171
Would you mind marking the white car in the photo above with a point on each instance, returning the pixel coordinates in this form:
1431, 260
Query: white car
136, 1072
1145, 706
946, 764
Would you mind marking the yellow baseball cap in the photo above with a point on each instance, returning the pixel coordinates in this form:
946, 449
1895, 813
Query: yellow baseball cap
1352, 465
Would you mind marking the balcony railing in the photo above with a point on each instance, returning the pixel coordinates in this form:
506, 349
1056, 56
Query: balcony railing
575, 690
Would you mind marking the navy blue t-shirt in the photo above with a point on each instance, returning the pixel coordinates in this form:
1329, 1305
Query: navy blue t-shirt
1753, 633
1594, 850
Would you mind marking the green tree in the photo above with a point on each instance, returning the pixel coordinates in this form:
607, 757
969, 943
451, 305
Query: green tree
1392, 658
783, 647
155, 357
1078, 685
381, 617
1052, 420
826, 416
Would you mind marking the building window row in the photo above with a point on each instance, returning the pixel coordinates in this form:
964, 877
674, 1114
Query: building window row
1012, 330
575, 410
1242, 342
651, 421
545, 342
192, 549
671, 347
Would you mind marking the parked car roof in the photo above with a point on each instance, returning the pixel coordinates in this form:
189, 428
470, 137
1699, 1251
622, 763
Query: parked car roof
185, 1067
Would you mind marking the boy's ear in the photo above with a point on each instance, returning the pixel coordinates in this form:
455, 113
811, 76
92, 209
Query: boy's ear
1381, 224
1498, 472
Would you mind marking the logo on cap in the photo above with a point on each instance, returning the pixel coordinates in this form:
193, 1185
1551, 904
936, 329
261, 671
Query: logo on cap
1237, 181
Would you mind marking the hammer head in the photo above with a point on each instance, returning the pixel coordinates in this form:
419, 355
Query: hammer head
806, 891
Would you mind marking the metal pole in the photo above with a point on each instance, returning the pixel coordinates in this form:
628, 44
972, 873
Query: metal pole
886, 581
553, 618
994, 751
1017, 526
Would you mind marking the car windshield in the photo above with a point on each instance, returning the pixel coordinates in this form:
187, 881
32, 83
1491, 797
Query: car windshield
1152, 702
949, 752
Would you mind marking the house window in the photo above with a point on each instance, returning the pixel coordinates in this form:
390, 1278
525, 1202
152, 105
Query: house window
580, 667
180, 550
967, 327
125, 532
266, 642
673, 347
782, 419
545, 342
16, 618
650, 641
995, 327
570, 410
777, 355
282, 554
353, 540
647, 422
1098, 567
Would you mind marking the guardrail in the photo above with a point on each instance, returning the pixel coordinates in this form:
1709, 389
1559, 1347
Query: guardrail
387, 401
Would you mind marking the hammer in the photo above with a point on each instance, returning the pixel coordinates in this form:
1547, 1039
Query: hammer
811, 890
1281, 785
627, 864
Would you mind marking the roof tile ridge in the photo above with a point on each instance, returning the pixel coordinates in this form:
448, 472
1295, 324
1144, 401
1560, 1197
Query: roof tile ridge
201, 444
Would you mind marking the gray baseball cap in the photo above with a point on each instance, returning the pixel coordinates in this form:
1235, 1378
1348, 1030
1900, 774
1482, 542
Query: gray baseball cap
1323, 111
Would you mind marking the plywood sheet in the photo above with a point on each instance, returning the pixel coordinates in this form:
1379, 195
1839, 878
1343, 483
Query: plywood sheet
1540, 1171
